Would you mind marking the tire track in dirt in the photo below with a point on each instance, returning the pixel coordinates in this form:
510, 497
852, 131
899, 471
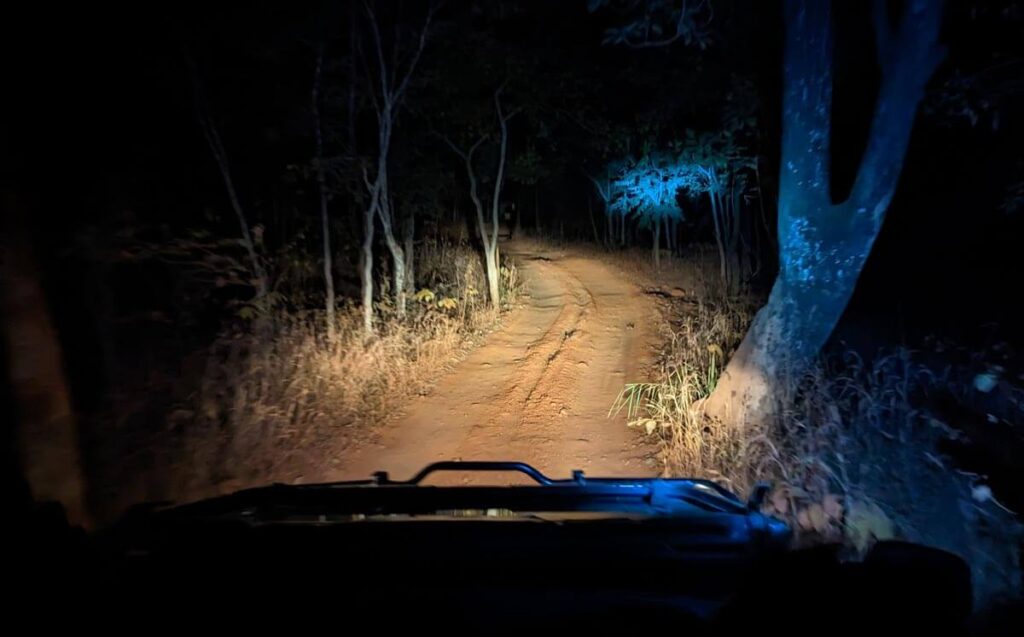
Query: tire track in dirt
538, 389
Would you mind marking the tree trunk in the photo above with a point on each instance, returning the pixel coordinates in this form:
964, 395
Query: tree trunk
492, 246
716, 216
657, 243
366, 271
491, 258
397, 271
737, 271
387, 215
489, 240
329, 301
593, 224
392, 89
398, 259
786, 333
220, 156
47, 437
409, 239
668, 235
823, 246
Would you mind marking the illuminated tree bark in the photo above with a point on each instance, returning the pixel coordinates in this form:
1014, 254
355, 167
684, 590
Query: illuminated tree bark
489, 239
823, 245
491, 246
409, 241
392, 90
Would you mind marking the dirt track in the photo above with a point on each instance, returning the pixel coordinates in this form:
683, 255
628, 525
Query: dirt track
538, 389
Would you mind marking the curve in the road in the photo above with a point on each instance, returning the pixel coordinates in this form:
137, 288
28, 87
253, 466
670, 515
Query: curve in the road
537, 390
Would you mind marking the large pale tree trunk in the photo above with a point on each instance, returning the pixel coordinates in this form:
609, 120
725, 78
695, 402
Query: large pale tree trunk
823, 246
409, 240
491, 246
366, 270
489, 238
398, 269
491, 258
397, 253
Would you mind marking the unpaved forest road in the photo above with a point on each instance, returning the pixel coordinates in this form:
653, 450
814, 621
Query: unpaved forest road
537, 390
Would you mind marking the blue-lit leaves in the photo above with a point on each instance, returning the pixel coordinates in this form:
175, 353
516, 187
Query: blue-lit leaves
655, 23
649, 188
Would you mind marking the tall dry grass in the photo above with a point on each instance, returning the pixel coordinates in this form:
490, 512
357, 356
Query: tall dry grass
278, 402
852, 453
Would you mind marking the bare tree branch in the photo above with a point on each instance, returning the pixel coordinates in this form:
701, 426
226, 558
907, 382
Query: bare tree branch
370, 186
601, 190
419, 51
680, 26
220, 157
385, 87
465, 155
369, 74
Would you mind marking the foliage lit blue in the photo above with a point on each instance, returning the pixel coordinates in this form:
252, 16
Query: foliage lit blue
650, 188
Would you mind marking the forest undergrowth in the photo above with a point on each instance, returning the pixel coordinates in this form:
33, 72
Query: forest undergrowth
854, 453
274, 398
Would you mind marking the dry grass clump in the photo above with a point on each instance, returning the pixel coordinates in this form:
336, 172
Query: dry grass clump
277, 402
695, 347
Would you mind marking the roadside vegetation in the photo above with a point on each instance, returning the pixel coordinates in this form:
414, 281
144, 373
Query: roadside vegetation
276, 396
857, 449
